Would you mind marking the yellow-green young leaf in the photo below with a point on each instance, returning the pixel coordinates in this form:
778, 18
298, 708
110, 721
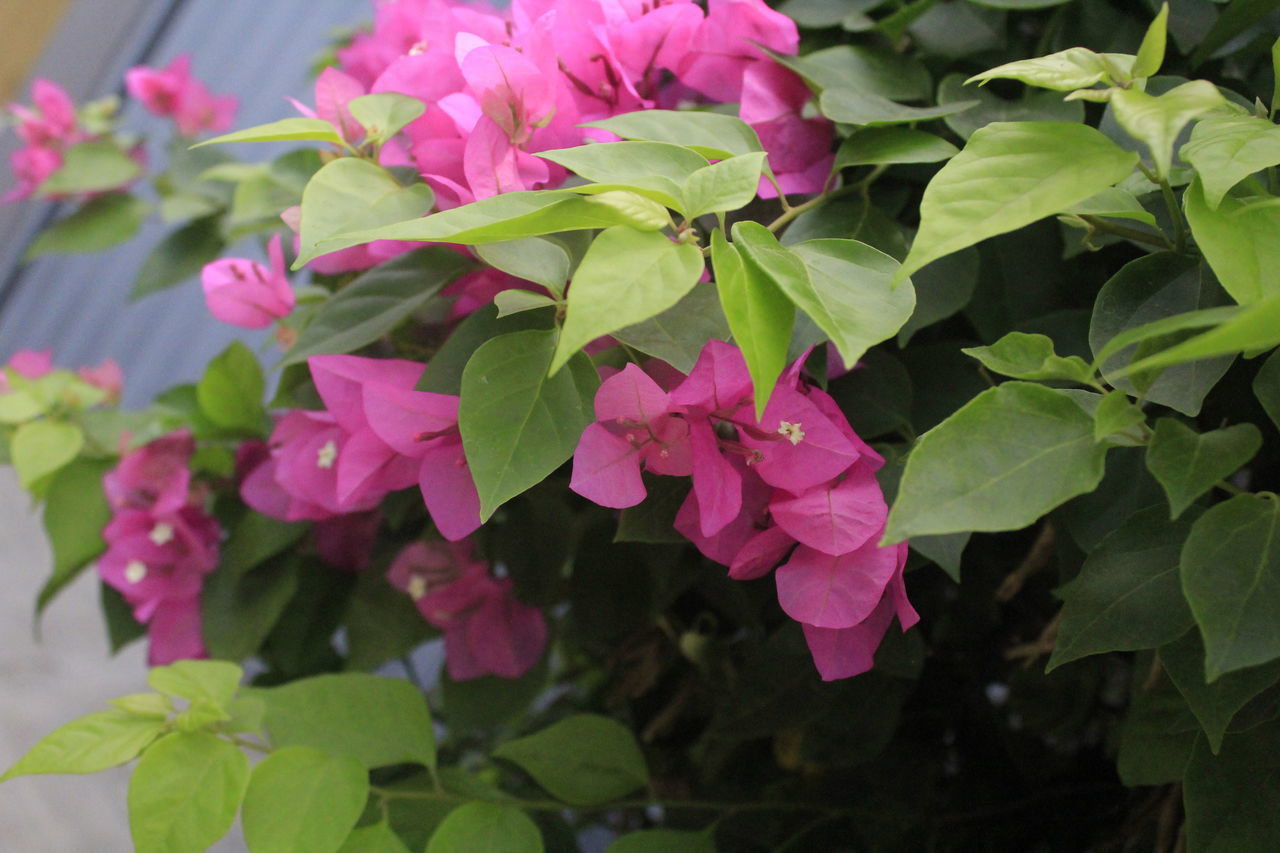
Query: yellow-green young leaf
92, 743
1227, 149
384, 114
1231, 578
18, 405
1025, 356
350, 194
39, 448
1254, 327
877, 145
285, 130
91, 167
665, 841
760, 315
626, 277
230, 391
184, 793
486, 828
1187, 464
1073, 68
724, 186
854, 106
548, 260
1239, 241
1213, 704
302, 800
378, 721
1127, 595
655, 170
104, 221
514, 301
1000, 462
1113, 203
1034, 105
713, 135
375, 838
213, 680
1151, 52
1115, 419
849, 293
1158, 119
144, 705
1011, 174
584, 759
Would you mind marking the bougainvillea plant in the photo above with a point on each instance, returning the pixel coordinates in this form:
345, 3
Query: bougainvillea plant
793, 443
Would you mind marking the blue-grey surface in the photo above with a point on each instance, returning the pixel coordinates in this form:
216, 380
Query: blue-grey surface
77, 305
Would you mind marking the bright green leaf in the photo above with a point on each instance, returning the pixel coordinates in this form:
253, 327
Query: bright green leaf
89, 167
652, 169
39, 448
1158, 119
350, 194
518, 424
379, 721
230, 391
1000, 462
285, 130
486, 828
1231, 577
1074, 68
1034, 105
584, 759
1254, 327
377, 302
1151, 52
1213, 704
184, 793
713, 135
102, 222
1010, 175
302, 800
1113, 203
216, 681
92, 743
1115, 419
375, 838
514, 301
760, 315
1238, 239
384, 114
1187, 464
1227, 149
724, 186
1024, 356
1127, 595
678, 334
881, 145
852, 106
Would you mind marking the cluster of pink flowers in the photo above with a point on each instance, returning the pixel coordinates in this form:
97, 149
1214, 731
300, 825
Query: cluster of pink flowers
244, 293
796, 487
487, 630
48, 128
160, 544
32, 364
172, 91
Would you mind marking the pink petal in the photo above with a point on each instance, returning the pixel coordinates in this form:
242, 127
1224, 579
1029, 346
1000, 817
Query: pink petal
761, 553
846, 652
368, 470
606, 469
505, 636
448, 490
719, 381
339, 380
630, 395
835, 592
405, 418
716, 483
174, 633
802, 453
836, 518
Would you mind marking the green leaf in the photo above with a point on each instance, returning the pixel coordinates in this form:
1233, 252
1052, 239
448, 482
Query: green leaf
122, 628
1158, 736
584, 759
184, 793
518, 424
1213, 704
516, 215
151, 705
1074, 68
1227, 149
384, 114
20, 404
664, 841
254, 539
92, 743
39, 448
1011, 174
1238, 240
848, 292
723, 186
1000, 462
626, 277
678, 334
1275, 75
444, 371
1032, 106
853, 106
216, 681
1232, 800
875, 69
1158, 119
230, 391
880, 145
655, 170
1238, 16
759, 313
1254, 327
1115, 419
1127, 595
1266, 387
510, 302
653, 521
375, 838
379, 721
90, 167
1024, 356
1151, 52
238, 611
179, 256
1187, 464
1113, 203
102, 222
377, 302
302, 800
284, 130
350, 194
381, 622
75, 513
482, 703
713, 135
486, 828
1148, 299
548, 261
1231, 577
942, 288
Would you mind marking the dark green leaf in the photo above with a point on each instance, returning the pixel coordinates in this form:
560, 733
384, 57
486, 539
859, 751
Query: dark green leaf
1213, 704
1266, 387
678, 334
230, 391
1232, 800
1032, 106
1187, 464
75, 513
444, 370
1233, 20
239, 611
179, 256
712, 135
877, 145
853, 106
481, 703
1115, 420
1158, 736
102, 222
1024, 356
664, 841
382, 623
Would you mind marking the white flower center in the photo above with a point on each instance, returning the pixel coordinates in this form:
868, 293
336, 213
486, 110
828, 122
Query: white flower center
135, 571
793, 432
161, 534
417, 587
327, 455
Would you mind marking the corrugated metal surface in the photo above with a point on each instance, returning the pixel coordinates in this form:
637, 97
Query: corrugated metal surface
77, 305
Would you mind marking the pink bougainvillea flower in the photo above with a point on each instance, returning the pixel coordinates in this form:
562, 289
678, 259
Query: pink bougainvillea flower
835, 591
334, 90
346, 541
52, 124
32, 167
728, 43
835, 518
108, 376
152, 558
174, 632
773, 100
31, 364
172, 91
245, 293
155, 477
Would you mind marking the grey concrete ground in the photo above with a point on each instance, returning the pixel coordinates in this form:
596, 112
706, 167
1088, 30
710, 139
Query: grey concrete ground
45, 683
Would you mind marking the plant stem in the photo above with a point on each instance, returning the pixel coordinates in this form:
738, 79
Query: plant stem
1100, 224
1230, 488
1179, 228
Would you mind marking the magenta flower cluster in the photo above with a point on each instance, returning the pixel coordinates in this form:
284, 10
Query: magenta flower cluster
796, 486
160, 544
48, 129
172, 92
